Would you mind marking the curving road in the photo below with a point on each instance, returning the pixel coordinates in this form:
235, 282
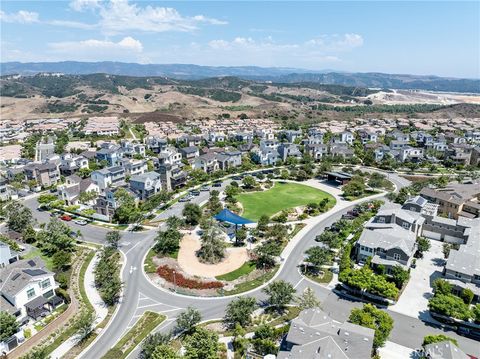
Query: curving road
140, 294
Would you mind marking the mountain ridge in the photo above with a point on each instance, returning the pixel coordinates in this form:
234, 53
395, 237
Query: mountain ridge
262, 74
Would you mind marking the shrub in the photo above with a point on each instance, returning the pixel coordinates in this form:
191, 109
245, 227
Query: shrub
167, 273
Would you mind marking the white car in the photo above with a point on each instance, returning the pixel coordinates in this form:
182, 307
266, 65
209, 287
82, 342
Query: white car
80, 222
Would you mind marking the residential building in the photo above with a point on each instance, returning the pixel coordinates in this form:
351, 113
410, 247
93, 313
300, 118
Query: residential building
130, 149
109, 152
190, 153
27, 288
134, 167
44, 150
286, 150
70, 163
7, 255
45, 174
347, 137
4, 190
313, 334
317, 151
146, 185
444, 350
109, 177
156, 144
207, 163
229, 159
171, 176
70, 191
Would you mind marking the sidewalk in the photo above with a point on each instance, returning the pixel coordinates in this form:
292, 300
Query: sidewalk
101, 311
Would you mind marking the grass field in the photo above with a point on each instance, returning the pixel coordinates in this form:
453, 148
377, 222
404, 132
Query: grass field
281, 196
38, 253
246, 268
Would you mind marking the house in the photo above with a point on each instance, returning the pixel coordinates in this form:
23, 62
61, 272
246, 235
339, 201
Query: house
462, 269
286, 150
347, 137
242, 136
290, 135
317, 151
170, 156
108, 177
314, 335
130, 149
420, 205
398, 144
156, 144
215, 137
264, 134
4, 190
190, 153
400, 136
146, 185
265, 156
27, 288
207, 163
44, 150
341, 150
70, 163
109, 152
106, 203
408, 153
229, 159
188, 140
133, 167
45, 174
444, 350
171, 176
456, 199
7, 255
70, 191
368, 136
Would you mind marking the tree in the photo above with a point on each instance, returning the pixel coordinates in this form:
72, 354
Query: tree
214, 205
239, 311
240, 235
476, 313
318, 256
106, 275
331, 239
164, 352
308, 299
202, 344
446, 249
18, 216
173, 222
399, 276
55, 237
46, 198
9, 325
249, 182
84, 172
187, 320
192, 214
280, 293
371, 317
467, 295
127, 211
423, 245
84, 325
113, 238
449, 305
61, 260
441, 286
88, 196
167, 242
37, 353
152, 341
277, 232
213, 246
354, 188
431, 339
262, 224
29, 235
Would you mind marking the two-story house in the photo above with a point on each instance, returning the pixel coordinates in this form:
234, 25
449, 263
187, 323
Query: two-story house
45, 174
146, 185
108, 177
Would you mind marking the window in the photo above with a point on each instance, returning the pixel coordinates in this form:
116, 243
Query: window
458, 275
396, 256
406, 225
45, 283
381, 219
30, 293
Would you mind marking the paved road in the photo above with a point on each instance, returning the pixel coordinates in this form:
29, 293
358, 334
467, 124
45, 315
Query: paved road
141, 295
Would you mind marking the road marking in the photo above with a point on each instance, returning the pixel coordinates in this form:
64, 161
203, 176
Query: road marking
132, 269
132, 248
298, 283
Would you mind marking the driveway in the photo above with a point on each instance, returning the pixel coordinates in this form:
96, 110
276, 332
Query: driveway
414, 299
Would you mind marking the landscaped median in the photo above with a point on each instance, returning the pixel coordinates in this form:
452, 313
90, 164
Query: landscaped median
144, 326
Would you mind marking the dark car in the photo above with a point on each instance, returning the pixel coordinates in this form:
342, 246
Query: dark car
195, 193
236, 178
217, 184
469, 333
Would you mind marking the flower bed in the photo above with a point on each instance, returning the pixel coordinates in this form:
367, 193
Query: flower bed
167, 273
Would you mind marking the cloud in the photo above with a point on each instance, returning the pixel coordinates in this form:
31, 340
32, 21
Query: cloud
120, 16
21, 17
127, 49
336, 42
72, 24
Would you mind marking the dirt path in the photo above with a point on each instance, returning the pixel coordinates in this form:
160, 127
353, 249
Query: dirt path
190, 264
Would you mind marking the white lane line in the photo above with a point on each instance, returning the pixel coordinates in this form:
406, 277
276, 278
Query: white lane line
132, 248
170, 310
149, 305
296, 285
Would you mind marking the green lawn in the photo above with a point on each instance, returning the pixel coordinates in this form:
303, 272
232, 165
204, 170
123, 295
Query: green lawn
280, 196
246, 268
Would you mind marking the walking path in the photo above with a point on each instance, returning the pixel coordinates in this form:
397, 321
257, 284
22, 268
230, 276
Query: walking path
101, 311
188, 260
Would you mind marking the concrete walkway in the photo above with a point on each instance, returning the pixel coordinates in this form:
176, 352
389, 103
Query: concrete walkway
396, 351
414, 299
101, 310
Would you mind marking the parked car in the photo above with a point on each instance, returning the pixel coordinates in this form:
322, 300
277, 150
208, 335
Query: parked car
80, 222
347, 216
217, 184
195, 193
184, 199
469, 333
66, 218
205, 189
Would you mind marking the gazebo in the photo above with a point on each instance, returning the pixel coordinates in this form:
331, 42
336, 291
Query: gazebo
228, 216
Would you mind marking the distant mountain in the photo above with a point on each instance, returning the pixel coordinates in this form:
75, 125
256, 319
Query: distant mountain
274, 74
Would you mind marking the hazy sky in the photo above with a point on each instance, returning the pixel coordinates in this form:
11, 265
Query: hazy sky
428, 37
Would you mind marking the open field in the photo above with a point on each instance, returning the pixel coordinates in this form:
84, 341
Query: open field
281, 196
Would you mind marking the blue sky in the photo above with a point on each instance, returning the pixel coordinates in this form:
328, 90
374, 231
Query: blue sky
428, 37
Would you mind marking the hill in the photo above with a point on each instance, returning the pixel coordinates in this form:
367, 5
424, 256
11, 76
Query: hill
274, 74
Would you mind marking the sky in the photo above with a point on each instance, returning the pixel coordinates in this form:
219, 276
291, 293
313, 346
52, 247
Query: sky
424, 38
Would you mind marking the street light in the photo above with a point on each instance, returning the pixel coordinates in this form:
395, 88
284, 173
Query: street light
174, 282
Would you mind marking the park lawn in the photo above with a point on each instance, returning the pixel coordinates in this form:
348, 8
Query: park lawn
245, 269
283, 195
